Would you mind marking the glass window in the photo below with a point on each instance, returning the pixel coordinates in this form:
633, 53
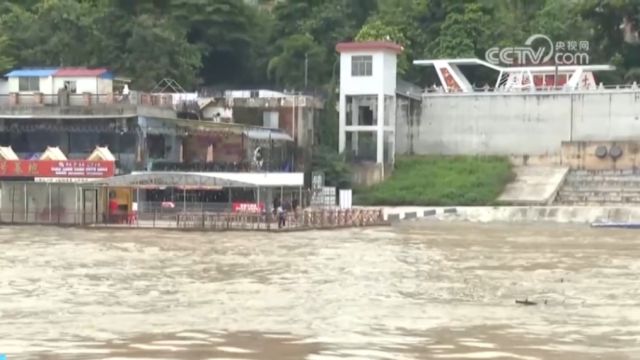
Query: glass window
71, 86
29, 84
361, 65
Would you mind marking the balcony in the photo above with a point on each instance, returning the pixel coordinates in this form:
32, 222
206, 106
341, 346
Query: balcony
87, 105
38, 105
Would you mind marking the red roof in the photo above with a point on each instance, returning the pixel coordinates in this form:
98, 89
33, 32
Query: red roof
80, 72
368, 46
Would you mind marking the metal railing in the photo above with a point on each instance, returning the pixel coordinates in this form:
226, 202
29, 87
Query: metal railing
303, 220
439, 90
149, 208
44, 100
221, 221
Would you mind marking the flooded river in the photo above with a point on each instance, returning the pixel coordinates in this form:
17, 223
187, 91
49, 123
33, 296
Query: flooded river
413, 291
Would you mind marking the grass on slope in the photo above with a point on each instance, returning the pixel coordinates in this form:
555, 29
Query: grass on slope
441, 181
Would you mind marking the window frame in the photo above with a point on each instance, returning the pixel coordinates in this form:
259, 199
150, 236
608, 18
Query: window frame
32, 84
361, 65
72, 86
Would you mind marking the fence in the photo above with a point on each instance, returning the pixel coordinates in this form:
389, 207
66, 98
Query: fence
305, 220
436, 90
39, 100
149, 209
222, 221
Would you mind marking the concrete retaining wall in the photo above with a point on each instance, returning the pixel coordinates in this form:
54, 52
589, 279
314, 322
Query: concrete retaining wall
517, 214
533, 124
581, 155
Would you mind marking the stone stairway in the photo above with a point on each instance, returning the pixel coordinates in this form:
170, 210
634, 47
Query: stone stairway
600, 187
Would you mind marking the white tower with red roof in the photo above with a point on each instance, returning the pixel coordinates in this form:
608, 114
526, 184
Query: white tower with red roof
368, 100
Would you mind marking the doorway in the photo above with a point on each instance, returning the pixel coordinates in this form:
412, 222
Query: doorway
89, 206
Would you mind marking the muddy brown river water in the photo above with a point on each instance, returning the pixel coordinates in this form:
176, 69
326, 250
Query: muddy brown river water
414, 291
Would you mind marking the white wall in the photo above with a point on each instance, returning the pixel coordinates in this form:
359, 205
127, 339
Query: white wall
83, 84
4, 86
13, 84
45, 85
105, 86
238, 94
381, 83
390, 73
366, 85
518, 124
210, 112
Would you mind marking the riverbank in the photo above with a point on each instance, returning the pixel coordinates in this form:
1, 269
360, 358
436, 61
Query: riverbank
524, 214
441, 181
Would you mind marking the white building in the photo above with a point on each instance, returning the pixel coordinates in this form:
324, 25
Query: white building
30, 81
83, 80
368, 100
42, 85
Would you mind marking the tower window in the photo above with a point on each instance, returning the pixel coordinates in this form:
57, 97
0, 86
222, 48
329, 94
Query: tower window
361, 65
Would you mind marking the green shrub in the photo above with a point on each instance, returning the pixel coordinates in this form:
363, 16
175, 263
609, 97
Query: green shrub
441, 181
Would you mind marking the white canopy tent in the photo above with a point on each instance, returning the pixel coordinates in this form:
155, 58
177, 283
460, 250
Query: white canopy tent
7, 153
267, 182
53, 153
101, 153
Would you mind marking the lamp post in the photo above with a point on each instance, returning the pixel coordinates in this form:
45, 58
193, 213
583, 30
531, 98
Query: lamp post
306, 70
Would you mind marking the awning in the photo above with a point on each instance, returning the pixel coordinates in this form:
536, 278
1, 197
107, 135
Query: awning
163, 187
193, 179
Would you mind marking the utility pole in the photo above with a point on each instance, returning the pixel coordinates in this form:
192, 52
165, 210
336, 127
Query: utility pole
555, 63
306, 70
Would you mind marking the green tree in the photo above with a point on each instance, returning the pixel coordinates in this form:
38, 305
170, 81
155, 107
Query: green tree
227, 33
313, 25
288, 67
336, 171
464, 33
6, 62
377, 30
418, 21
608, 42
50, 32
137, 39
171, 56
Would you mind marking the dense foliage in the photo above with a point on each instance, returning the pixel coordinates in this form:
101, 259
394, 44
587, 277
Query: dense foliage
441, 181
251, 43
268, 43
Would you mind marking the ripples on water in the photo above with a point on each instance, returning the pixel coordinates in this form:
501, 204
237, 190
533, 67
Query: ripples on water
415, 291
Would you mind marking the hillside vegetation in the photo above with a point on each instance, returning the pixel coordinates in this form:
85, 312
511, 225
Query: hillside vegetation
441, 181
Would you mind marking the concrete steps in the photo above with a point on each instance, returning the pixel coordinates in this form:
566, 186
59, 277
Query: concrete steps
610, 187
575, 199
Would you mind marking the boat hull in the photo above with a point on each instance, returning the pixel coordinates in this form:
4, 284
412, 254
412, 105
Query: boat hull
613, 225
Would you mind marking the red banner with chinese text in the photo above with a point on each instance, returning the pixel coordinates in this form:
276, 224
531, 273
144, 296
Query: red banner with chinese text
57, 169
247, 207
